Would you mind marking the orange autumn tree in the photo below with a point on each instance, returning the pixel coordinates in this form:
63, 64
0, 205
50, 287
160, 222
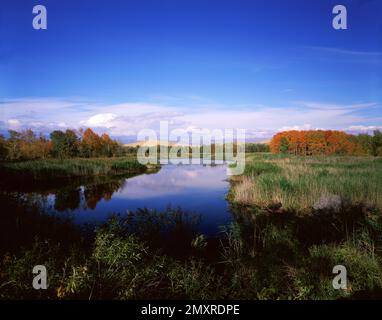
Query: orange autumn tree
109, 146
85, 143
91, 144
26, 145
314, 142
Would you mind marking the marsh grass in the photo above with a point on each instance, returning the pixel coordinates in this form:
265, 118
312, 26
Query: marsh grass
147, 254
297, 183
67, 168
261, 256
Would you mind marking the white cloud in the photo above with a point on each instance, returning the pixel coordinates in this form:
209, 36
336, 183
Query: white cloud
126, 119
100, 120
303, 127
332, 106
14, 123
347, 52
361, 128
350, 56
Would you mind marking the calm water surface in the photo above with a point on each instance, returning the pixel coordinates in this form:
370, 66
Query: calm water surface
197, 189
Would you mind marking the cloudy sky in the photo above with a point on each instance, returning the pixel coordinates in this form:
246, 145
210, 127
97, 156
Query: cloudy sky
123, 66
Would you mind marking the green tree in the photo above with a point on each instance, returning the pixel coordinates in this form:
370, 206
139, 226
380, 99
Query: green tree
64, 144
3, 148
256, 147
58, 143
14, 145
377, 143
71, 141
365, 143
284, 145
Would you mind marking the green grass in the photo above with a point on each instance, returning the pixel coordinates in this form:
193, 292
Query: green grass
298, 183
54, 168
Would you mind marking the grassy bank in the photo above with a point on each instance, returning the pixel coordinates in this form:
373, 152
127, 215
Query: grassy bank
68, 168
304, 183
158, 255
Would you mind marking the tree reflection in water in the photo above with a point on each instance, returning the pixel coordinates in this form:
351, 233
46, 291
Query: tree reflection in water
65, 195
94, 193
196, 189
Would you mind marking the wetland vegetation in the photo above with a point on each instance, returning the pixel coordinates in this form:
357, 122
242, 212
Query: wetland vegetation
293, 218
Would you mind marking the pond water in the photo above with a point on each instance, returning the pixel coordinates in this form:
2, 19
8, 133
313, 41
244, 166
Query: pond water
196, 189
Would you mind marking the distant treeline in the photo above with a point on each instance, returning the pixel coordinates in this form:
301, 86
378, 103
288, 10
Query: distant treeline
85, 143
320, 142
256, 147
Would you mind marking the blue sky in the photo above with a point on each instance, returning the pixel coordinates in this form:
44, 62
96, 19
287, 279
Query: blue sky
121, 66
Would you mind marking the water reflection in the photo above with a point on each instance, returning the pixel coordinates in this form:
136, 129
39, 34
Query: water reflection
67, 200
196, 189
173, 180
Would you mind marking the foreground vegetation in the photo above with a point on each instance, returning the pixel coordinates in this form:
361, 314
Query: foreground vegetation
159, 255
